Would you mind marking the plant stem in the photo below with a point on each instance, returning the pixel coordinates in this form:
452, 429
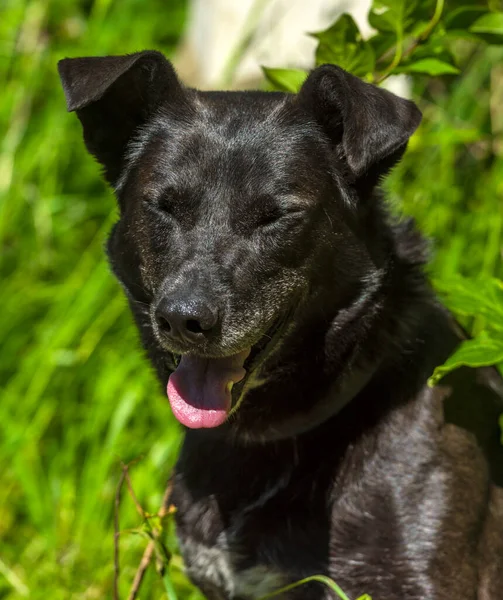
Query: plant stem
168, 586
150, 549
319, 578
394, 63
439, 8
117, 535
420, 39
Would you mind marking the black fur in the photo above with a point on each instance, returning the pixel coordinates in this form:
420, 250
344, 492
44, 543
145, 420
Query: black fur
259, 212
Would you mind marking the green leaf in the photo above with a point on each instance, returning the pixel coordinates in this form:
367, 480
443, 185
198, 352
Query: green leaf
382, 44
464, 17
392, 16
489, 23
168, 586
482, 351
480, 297
465, 34
342, 44
489, 28
447, 136
436, 46
285, 80
429, 66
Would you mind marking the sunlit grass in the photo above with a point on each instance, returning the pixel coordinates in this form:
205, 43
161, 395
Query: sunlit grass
451, 177
77, 395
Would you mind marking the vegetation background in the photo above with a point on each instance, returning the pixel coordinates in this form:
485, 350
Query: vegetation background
77, 396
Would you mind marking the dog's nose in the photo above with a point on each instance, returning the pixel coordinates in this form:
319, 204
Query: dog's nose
185, 321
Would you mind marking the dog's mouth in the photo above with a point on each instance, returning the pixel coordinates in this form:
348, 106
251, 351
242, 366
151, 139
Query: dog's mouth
203, 391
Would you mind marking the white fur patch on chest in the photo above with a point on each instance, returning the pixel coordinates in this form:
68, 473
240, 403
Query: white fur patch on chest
215, 565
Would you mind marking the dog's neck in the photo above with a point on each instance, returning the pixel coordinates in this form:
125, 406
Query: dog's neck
281, 433
379, 332
333, 383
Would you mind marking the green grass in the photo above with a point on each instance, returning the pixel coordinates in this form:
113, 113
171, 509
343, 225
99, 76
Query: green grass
451, 178
77, 396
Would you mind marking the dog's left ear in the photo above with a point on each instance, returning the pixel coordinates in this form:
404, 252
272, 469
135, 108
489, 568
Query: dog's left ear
369, 125
115, 95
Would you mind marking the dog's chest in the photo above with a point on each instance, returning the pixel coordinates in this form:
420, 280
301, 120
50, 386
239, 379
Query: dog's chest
216, 570
227, 559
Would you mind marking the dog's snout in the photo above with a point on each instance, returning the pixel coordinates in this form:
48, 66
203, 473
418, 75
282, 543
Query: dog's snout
187, 321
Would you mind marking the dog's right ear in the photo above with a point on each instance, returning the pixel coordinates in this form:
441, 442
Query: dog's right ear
113, 96
369, 126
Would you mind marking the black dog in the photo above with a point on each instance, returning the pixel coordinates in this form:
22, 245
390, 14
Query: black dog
293, 327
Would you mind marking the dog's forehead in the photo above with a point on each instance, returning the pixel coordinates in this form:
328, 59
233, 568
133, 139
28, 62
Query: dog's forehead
237, 136
250, 120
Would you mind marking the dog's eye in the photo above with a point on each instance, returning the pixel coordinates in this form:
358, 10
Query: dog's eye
269, 216
164, 203
168, 200
268, 212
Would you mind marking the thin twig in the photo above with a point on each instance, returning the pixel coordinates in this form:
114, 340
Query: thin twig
140, 573
117, 534
439, 9
139, 507
165, 506
149, 550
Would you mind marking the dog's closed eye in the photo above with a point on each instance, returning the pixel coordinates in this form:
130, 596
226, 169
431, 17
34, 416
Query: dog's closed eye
171, 202
268, 211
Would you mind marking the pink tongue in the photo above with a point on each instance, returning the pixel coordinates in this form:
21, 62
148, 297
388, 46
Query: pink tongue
198, 390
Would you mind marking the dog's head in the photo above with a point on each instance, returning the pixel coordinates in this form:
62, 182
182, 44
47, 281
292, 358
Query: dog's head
237, 210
